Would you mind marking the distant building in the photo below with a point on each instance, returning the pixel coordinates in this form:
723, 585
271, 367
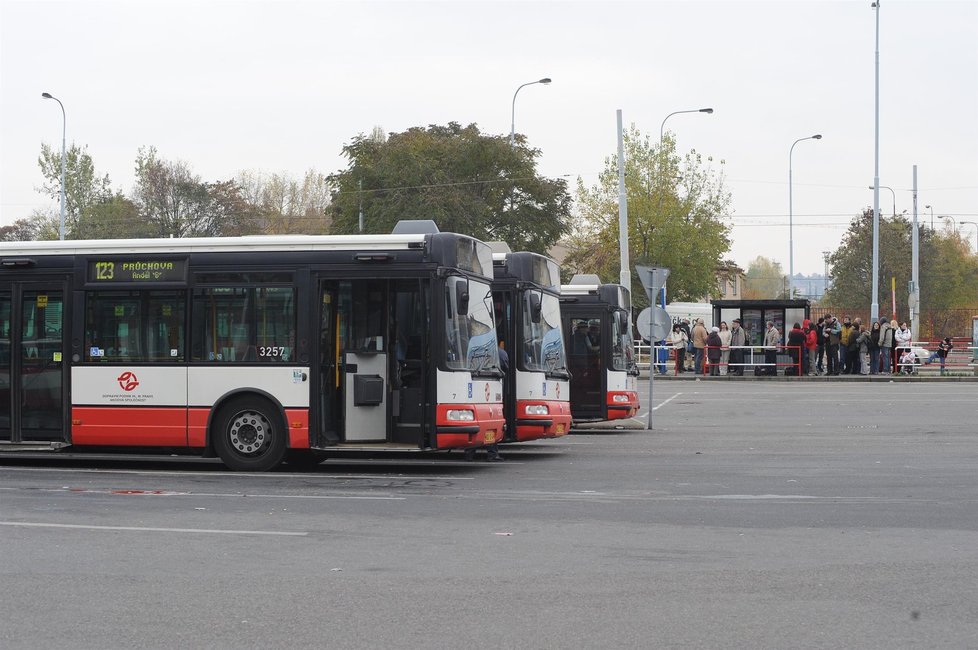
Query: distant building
811, 287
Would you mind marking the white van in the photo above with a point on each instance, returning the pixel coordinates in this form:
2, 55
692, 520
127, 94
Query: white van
691, 310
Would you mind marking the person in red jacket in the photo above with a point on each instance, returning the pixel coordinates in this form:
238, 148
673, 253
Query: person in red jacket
811, 345
796, 348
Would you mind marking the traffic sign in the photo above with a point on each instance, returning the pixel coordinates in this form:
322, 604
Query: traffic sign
653, 278
653, 323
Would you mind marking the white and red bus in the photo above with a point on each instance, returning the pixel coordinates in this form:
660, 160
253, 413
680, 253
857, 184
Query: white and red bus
253, 349
600, 351
536, 387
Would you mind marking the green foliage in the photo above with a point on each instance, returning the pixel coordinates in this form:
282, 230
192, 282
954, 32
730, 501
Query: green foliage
948, 270
675, 208
83, 187
465, 181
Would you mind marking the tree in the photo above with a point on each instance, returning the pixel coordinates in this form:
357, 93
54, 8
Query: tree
675, 208
764, 280
83, 187
280, 204
115, 217
465, 181
177, 203
39, 225
948, 270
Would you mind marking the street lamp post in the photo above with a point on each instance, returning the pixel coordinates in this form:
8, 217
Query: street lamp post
662, 132
512, 128
931, 216
791, 240
891, 192
955, 223
64, 124
874, 308
972, 223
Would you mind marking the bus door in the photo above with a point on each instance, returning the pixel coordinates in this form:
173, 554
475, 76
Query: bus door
585, 362
373, 356
32, 362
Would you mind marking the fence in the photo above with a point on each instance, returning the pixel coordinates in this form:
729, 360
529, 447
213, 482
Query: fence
963, 358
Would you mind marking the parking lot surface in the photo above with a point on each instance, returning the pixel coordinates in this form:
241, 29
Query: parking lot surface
753, 514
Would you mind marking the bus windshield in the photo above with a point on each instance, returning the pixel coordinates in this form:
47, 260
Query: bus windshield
543, 342
471, 334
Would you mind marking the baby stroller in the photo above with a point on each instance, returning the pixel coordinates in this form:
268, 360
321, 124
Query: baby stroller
909, 363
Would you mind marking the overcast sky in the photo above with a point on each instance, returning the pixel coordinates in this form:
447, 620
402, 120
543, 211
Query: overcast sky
282, 86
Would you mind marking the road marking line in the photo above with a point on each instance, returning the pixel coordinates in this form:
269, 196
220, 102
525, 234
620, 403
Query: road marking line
209, 531
656, 408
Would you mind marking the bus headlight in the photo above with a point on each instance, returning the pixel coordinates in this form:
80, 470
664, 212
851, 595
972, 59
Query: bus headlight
461, 415
537, 409
619, 398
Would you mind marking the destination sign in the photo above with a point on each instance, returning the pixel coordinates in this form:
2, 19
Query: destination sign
135, 270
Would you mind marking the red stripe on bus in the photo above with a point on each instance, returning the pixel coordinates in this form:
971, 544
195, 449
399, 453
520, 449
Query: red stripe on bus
129, 427
298, 422
197, 426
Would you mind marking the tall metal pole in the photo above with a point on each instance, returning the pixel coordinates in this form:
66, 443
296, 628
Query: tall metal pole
874, 308
915, 268
624, 277
891, 192
931, 217
64, 126
512, 128
791, 240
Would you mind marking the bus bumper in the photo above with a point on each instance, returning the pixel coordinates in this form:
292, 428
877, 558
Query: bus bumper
541, 419
468, 425
622, 404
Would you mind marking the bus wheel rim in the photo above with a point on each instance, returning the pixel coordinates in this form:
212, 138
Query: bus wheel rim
249, 433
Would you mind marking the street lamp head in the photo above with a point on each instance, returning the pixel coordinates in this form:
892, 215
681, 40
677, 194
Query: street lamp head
927, 206
545, 80
47, 96
817, 136
706, 110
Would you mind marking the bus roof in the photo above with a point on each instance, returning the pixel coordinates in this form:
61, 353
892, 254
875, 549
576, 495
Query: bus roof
214, 244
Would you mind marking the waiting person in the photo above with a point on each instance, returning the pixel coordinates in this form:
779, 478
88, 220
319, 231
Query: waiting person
902, 338
699, 345
832, 330
796, 349
942, 351
896, 352
820, 342
738, 339
862, 344
684, 325
811, 347
713, 352
678, 340
886, 346
772, 339
725, 350
853, 347
845, 339
874, 348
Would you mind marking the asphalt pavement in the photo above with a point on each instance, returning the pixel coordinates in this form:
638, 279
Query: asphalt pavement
753, 514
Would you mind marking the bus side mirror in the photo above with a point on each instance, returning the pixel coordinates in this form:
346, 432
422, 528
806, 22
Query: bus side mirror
536, 306
462, 296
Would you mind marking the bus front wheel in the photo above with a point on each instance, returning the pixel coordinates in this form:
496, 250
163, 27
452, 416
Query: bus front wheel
247, 436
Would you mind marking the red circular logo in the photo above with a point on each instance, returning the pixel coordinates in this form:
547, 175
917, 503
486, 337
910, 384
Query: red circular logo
128, 381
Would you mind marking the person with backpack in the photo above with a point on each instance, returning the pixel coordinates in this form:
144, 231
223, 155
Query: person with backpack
832, 330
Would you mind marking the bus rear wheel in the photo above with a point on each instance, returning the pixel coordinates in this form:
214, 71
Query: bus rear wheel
247, 436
